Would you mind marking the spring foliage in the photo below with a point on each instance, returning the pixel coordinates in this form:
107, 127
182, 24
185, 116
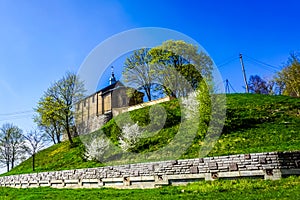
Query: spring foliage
96, 149
130, 136
289, 77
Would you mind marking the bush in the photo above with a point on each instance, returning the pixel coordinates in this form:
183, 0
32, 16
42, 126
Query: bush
130, 136
96, 149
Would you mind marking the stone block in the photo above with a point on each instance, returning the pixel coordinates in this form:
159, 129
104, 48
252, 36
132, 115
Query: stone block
247, 156
194, 170
212, 165
233, 167
272, 174
126, 181
214, 175
262, 160
136, 173
161, 180
251, 167
297, 163
252, 173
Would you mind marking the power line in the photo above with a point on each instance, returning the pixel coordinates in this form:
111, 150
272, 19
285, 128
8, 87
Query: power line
262, 66
266, 66
226, 62
16, 117
263, 63
16, 113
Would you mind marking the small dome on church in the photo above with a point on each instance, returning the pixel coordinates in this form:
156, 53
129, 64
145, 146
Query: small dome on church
112, 78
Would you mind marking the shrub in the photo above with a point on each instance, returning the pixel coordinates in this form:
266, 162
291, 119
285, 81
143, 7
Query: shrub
130, 136
96, 149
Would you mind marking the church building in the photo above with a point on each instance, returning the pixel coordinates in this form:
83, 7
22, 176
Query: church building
95, 110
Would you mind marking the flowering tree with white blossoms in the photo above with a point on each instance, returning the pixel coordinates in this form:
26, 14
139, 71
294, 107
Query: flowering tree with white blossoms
96, 149
130, 136
191, 104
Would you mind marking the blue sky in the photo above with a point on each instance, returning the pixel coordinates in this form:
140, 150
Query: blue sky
40, 40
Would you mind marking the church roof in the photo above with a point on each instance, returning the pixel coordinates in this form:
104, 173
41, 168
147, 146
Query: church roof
115, 85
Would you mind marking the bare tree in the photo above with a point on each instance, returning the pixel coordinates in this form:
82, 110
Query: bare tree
12, 145
257, 85
35, 142
52, 132
138, 72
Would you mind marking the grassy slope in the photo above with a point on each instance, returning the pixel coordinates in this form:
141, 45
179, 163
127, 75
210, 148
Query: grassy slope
287, 188
255, 123
259, 123
56, 157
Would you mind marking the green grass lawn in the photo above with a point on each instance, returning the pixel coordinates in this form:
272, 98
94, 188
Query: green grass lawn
286, 188
254, 123
258, 123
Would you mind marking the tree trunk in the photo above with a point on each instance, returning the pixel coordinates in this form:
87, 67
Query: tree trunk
53, 140
7, 166
7, 161
12, 161
58, 138
69, 136
68, 131
33, 161
57, 133
148, 92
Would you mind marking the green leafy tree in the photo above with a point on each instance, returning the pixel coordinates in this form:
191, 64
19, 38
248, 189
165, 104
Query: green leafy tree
179, 67
174, 68
56, 106
288, 79
12, 145
49, 119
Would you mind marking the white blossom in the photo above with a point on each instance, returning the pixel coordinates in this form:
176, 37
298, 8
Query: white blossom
130, 136
96, 149
191, 104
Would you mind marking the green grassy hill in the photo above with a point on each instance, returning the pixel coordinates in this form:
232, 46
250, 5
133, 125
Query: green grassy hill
254, 123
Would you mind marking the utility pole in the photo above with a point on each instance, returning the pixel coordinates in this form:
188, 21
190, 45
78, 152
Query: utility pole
244, 73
